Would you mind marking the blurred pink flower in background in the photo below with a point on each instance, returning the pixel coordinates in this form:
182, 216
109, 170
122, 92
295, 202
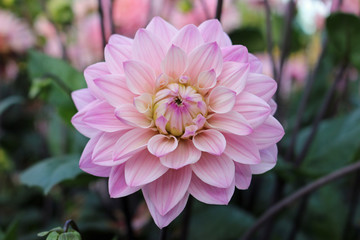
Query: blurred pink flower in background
177, 112
347, 6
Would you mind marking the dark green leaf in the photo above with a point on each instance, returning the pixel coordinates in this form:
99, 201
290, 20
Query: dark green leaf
8, 102
53, 236
50, 172
57, 229
250, 37
70, 236
11, 232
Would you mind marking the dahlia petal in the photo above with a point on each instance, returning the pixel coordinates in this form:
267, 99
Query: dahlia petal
188, 38
161, 124
140, 77
117, 184
163, 221
82, 97
82, 127
175, 62
128, 114
222, 99
206, 80
254, 109
267, 134
234, 76
143, 103
273, 106
190, 131
199, 121
185, 153
210, 141
210, 194
103, 150
101, 116
242, 176
143, 168
241, 149
261, 86
86, 164
236, 53
117, 39
203, 58
113, 89
268, 160
93, 72
255, 64
160, 145
167, 191
218, 171
212, 31
131, 142
161, 28
161, 81
149, 48
115, 56
231, 122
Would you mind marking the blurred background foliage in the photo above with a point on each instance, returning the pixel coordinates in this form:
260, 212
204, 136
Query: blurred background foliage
41, 185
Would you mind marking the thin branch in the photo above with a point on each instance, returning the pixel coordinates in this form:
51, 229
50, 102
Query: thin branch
219, 10
71, 223
269, 37
303, 103
126, 210
186, 221
320, 115
300, 213
112, 24
163, 233
302, 192
102, 24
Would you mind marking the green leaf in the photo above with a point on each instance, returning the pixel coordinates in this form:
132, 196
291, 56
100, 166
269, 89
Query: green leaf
334, 146
70, 236
53, 236
51, 171
250, 37
11, 232
8, 102
220, 222
57, 229
344, 36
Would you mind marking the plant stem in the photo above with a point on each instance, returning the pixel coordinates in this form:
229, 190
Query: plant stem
269, 38
71, 223
126, 210
219, 10
300, 213
102, 24
186, 221
112, 17
304, 191
163, 233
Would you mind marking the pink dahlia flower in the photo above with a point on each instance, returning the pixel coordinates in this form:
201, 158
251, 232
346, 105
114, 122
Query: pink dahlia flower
177, 112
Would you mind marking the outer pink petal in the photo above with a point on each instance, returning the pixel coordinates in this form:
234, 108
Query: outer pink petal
206, 80
185, 153
80, 125
222, 99
82, 97
203, 58
86, 164
115, 55
268, 160
113, 89
163, 221
149, 48
160, 145
211, 31
117, 39
231, 122
210, 141
103, 151
267, 134
188, 38
93, 72
167, 191
210, 194
235, 53
117, 184
101, 116
217, 171
273, 106
242, 176
254, 109
255, 64
261, 86
128, 114
143, 168
175, 62
241, 149
131, 142
140, 78
162, 29
234, 75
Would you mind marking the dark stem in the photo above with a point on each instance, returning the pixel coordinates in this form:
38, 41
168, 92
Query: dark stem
304, 191
102, 24
300, 213
163, 233
126, 210
70, 223
186, 221
269, 38
112, 17
354, 199
303, 103
219, 10
320, 115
